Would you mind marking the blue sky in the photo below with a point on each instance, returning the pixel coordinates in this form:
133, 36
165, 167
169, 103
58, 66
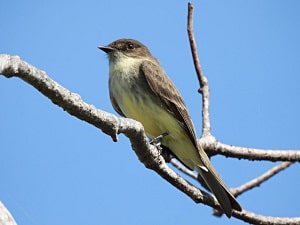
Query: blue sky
56, 169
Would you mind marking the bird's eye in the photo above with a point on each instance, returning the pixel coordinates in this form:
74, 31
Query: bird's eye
130, 46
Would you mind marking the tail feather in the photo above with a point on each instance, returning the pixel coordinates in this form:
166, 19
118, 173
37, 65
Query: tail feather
226, 200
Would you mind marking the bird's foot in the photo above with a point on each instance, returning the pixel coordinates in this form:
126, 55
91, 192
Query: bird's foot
157, 140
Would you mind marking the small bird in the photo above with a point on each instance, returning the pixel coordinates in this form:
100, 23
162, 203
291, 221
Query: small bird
140, 89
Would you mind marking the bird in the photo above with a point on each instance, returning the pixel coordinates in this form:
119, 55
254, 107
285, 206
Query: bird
140, 89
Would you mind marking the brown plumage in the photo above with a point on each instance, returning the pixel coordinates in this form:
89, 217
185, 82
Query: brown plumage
140, 89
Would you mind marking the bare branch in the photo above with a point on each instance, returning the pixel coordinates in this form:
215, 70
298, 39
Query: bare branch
183, 169
5, 216
207, 141
243, 188
259, 180
149, 155
13, 66
253, 218
252, 153
206, 135
204, 88
71, 102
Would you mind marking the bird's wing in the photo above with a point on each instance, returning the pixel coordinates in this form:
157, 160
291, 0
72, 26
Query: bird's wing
164, 88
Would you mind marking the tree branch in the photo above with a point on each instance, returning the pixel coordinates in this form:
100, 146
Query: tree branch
149, 155
243, 188
183, 169
253, 218
5, 216
252, 153
207, 141
204, 87
13, 66
259, 180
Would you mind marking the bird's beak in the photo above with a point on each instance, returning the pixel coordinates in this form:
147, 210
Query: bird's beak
106, 49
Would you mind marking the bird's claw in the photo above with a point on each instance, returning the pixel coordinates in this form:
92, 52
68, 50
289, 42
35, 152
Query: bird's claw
157, 140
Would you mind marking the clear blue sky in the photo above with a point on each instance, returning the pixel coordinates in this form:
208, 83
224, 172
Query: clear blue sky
56, 169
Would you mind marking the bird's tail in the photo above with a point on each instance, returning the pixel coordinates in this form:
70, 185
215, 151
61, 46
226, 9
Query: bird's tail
226, 200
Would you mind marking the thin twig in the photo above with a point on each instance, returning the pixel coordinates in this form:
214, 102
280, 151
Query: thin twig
183, 169
243, 188
204, 88
259, 180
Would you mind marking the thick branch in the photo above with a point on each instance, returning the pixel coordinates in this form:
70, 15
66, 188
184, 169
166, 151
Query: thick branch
112, 125
5, 216
253, 218
13, 66
71, 102
204, 88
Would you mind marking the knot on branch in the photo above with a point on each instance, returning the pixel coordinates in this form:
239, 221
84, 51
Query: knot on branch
9, 65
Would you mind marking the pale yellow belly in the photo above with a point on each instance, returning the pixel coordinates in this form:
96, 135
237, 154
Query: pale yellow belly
137, 104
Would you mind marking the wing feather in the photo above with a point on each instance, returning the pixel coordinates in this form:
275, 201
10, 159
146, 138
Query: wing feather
164, 88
